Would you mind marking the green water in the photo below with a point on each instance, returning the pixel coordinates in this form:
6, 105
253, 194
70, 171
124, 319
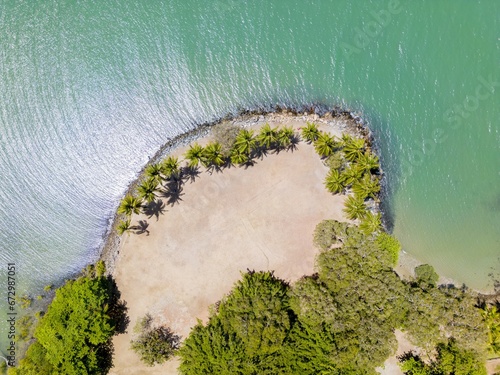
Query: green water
90, 90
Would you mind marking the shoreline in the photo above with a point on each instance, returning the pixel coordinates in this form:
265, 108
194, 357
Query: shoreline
354, 124
258, 217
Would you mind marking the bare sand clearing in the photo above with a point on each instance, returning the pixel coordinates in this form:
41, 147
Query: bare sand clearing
259, 218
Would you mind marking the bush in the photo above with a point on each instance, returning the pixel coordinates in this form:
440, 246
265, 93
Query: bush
390, 244
154, 345
225, 134
335, 161
328, 233
426, 275
450, 360
73, 336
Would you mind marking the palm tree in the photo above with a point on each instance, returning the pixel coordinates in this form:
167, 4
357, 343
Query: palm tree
352, 174
334, 181
194, 155
285, 136
124, 226
238, 157
346, 139
170, 167
267, 136
325, 144
212, 155
366, 187
129, 205
354, 148
153, 171
245, 141
354, 208
147, 190
311, 132
368, 162
371, 223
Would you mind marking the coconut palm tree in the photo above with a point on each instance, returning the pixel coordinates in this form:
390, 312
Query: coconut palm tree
366, 187
194, 155
325, 145
170, 167
346, 139
284, 137
212, 155
130, 205
368, 162
311, 132
354, 208
245, 141
147, 190
238, 157
267, 136
153, 171
354, 148
334, 181
123, 227
371, 223
352, 174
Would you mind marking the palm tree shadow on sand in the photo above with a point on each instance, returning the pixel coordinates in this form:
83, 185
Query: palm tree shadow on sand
141, 227
190, 174
154, 208
173, 191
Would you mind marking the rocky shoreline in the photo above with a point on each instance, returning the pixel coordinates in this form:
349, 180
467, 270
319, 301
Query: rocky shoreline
332, 116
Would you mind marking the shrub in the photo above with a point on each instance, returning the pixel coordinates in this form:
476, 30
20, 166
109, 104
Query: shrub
329, 232
390, 244
73, 337
225, 134
154, 345
48, 288
426, 275
335, 161
450, 359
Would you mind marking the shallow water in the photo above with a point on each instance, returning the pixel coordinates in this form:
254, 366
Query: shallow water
89, 91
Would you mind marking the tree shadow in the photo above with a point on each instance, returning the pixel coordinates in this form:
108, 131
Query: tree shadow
216, 168
190, 173
294, 142
104, 354
142, 227
154, 208
173, 191
259, 153
117, 308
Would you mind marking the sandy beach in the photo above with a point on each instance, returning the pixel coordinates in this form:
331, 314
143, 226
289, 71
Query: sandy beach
260, 218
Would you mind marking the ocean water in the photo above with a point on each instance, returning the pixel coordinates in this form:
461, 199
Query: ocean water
90, 90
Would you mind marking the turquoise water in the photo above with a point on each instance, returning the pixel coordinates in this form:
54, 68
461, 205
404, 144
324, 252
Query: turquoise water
90, 90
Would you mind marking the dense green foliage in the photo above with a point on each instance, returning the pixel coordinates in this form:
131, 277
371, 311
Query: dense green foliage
73, 337
129, 205
246, 333
491, 316
154, 345
310, 133
450, 360
426, 275
339, 321
390, 245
